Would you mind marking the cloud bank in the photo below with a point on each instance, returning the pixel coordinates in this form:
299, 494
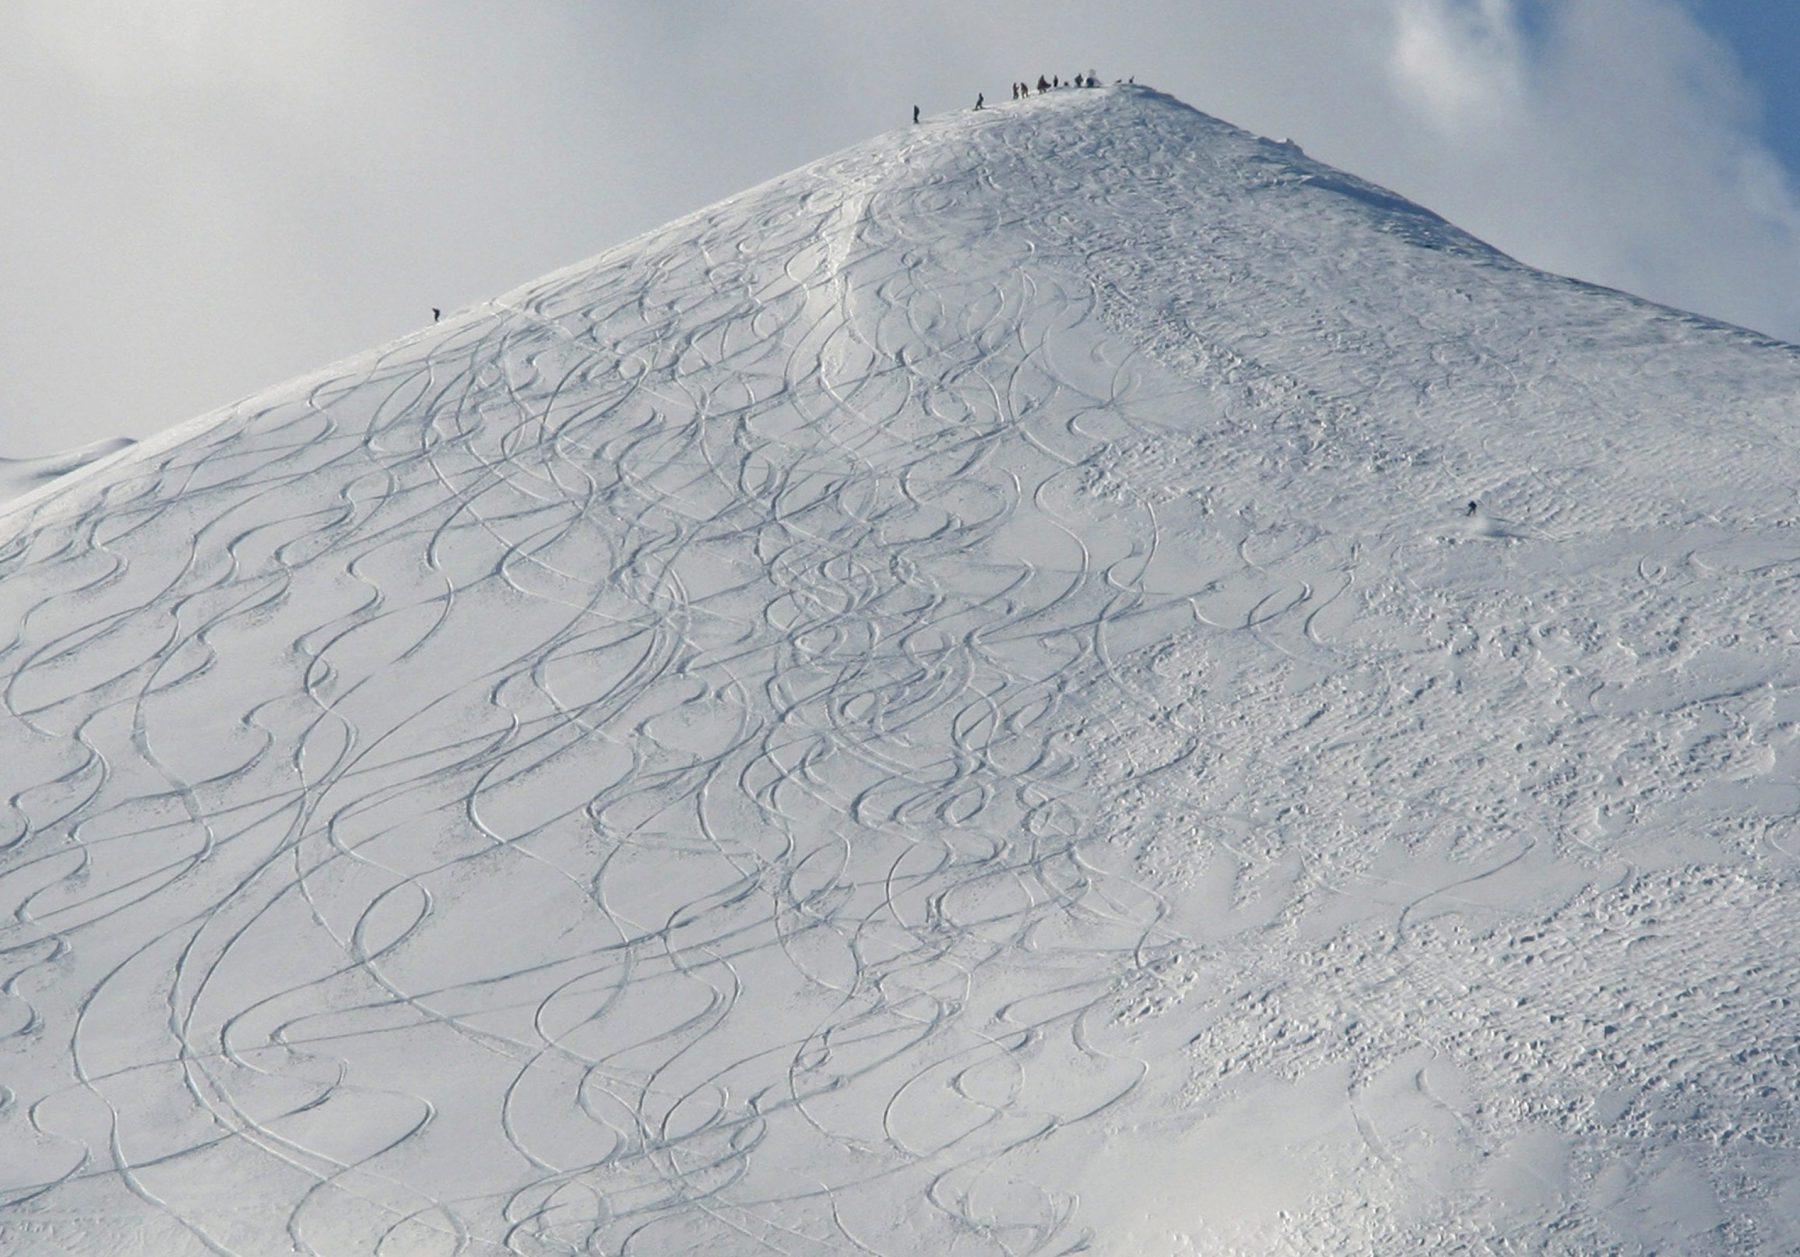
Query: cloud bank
1616, 141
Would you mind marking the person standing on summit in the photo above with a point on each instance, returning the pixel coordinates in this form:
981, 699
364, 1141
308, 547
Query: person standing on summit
915, 115
979, 99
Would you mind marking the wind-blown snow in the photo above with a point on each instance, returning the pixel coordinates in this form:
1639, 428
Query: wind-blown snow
19, 476
947, 704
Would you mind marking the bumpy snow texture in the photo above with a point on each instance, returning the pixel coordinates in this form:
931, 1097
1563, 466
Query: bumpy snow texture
951, 703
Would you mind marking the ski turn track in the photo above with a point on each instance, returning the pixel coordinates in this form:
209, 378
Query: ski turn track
949, 704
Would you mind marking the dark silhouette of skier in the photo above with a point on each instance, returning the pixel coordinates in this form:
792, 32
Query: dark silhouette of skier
1055, 81
1043, 86
1472, 509
979, 98
436, 314
915, 115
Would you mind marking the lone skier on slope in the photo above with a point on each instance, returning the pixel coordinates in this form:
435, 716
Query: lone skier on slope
979, 98
915, 115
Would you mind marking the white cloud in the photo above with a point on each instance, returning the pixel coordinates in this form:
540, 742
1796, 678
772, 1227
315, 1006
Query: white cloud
1459, 63
1613, 140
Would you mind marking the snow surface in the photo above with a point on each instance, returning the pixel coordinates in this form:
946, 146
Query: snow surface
22, 475
950, 703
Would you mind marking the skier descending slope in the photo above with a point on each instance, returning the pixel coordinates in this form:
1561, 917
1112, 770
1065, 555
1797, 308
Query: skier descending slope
934, 706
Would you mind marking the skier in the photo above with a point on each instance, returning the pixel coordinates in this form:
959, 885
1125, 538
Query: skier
1042, 85
915, 115
436, 314
1472, 509
978, 99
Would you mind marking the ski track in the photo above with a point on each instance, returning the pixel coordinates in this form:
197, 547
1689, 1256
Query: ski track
889, 717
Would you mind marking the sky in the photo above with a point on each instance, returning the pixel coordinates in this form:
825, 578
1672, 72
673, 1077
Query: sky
205, 197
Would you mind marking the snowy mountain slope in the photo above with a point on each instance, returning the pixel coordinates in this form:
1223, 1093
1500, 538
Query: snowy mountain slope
19, 476
948, 703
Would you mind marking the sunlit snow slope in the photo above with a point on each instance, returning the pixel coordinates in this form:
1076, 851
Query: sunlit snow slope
949, 704
19, 476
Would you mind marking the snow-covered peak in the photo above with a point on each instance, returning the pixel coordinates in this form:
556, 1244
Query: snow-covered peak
1065, 676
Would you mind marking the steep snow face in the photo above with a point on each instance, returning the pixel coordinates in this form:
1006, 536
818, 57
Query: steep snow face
22, 475
951, 703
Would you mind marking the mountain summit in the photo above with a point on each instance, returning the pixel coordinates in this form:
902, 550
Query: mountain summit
1065, 679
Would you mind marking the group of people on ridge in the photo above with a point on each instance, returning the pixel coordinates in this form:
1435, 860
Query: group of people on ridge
1021, 90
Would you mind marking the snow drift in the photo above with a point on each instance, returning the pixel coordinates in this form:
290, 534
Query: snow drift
20, 476
950, 703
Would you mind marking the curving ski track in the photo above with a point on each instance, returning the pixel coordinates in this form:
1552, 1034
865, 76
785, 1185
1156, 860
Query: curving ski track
945, 704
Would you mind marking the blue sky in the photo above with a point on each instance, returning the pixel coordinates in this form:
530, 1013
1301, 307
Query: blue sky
1764, 38
1764, 35
207, 198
